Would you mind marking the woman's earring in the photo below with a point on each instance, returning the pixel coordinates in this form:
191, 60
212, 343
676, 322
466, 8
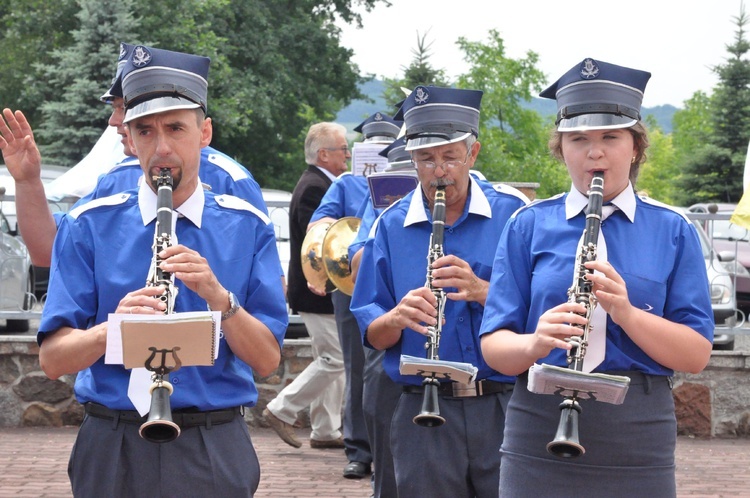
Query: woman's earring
632, 161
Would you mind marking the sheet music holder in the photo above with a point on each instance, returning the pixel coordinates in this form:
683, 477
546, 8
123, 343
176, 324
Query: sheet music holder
194, 333
425, 367
388, 187
366, 158
551, 379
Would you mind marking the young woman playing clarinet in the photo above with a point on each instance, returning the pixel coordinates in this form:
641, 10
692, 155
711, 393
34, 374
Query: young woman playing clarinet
649, 285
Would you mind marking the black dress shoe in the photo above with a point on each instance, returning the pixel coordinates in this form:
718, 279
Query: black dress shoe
356, 470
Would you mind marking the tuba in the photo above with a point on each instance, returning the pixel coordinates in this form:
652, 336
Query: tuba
566, 443
325, 254
429, 416
159, 427
311, 256
336, 243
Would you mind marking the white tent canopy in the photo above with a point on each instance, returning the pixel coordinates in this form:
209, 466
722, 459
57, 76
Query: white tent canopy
81, 178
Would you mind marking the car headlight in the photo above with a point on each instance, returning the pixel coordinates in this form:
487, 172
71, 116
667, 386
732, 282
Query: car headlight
734, 267
720, 294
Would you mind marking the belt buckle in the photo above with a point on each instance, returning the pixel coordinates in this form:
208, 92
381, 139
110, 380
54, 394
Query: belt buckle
469, 390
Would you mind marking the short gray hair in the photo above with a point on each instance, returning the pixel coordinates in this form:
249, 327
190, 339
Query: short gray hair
319, 137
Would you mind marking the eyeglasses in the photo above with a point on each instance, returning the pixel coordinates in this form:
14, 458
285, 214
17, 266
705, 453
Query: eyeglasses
343, 149
431, 165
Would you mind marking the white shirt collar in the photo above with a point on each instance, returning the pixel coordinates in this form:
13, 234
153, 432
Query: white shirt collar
326, 172
191, 209
576, 202
478, 204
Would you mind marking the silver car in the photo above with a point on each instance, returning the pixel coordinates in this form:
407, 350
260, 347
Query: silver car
723, 295
16, 279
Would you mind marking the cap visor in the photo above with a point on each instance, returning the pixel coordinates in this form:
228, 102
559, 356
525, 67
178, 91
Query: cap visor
586, 122
157, 105
400, 166
434, 141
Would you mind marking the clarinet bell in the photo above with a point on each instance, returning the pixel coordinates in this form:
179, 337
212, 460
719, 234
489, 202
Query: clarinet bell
429, 416
159, 427
566, 444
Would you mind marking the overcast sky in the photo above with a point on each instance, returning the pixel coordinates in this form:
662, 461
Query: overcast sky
678, 41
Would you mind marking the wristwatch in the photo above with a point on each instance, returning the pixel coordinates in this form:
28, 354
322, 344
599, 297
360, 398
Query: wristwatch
234, 306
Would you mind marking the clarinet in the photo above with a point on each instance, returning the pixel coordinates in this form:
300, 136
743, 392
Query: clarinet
159, 427
429, 416
566, 443
163, 239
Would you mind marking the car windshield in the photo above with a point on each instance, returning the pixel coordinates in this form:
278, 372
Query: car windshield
726, 230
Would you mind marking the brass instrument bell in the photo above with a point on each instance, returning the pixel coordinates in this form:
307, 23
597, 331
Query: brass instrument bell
313, 266
336, 243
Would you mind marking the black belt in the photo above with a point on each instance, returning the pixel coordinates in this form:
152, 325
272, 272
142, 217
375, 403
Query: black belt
184, 419
470, 390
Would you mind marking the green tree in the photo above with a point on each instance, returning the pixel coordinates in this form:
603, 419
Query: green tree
714, 171
74, 118
419, 72
657, 175
514, 138
32, 31
277, 67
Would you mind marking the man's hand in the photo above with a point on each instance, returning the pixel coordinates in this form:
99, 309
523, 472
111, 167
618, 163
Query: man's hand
19, 149
193, 270
451, 271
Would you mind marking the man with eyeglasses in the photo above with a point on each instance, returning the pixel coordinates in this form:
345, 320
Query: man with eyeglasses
321, 385
394, 307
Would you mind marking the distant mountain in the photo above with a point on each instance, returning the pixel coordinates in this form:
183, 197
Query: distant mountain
359, 110
356, 112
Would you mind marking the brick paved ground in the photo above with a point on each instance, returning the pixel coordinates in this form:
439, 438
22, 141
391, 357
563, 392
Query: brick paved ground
33, 464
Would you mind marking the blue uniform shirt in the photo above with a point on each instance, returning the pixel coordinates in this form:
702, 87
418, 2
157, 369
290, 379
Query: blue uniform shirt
103, 250
343, 197
654, 249
367, 213
395, 262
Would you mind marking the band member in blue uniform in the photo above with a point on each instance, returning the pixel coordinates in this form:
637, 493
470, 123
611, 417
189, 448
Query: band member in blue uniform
379, 392
342, 199
224, 258
394, 307
218, 172
652, 285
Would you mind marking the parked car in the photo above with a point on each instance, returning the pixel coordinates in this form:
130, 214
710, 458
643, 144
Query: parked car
16, 279
732, 243
722, 288
47, 173
277, 202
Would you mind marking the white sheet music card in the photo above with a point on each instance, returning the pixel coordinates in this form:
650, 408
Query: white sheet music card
366, 158
114, 350
451, 370
551, 379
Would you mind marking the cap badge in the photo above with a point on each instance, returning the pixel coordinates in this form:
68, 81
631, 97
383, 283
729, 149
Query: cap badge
141, 56
123, 52
589, 69
421, 95
377, 117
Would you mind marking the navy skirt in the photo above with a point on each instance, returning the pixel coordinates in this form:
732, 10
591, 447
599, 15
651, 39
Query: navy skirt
629, 448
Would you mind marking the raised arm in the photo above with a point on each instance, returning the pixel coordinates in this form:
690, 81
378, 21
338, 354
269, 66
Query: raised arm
22, 157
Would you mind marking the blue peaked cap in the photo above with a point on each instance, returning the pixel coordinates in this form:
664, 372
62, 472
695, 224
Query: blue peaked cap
115, 87
596, 95
156, 80
396, 151
436, 116
379, 125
